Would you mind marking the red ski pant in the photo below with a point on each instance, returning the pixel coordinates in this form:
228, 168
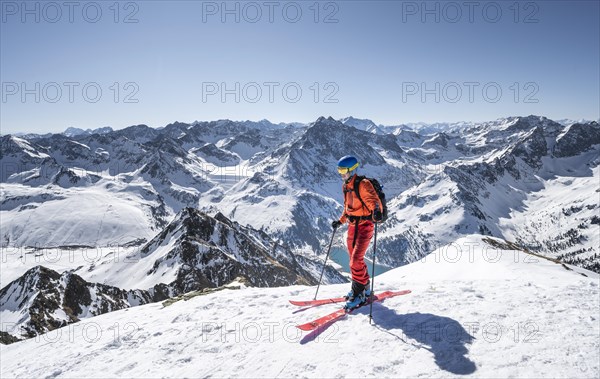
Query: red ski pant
358, 268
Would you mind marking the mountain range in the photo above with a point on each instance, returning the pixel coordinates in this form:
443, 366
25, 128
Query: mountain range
199, 205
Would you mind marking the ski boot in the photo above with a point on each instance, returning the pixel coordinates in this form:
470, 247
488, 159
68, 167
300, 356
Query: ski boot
368, 290
355, 300
358, 295
349, 295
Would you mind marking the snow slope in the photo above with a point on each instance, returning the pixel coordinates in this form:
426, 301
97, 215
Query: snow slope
475, 310
107, 213
561, 215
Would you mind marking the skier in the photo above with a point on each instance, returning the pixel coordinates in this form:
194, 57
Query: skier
360, 212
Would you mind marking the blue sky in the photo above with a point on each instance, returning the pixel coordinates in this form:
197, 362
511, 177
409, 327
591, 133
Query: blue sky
87, 65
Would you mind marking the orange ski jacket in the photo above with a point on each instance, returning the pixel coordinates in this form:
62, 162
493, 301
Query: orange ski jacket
353, 207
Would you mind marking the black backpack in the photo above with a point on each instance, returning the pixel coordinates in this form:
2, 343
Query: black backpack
378, 189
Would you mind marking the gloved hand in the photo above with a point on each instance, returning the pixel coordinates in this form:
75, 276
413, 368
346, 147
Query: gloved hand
336, 224
377, 216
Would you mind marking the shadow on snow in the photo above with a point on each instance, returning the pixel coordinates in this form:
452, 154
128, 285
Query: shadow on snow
444, 337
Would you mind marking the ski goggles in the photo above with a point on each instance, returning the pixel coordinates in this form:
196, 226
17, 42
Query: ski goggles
345, 170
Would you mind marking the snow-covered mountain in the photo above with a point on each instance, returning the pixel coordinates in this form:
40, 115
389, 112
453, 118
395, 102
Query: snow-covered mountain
491, 177
72, 131
362, 124
568, 121
494, 177
42, 300
294, 194
193, 252
424, 128
196, 251
479, 308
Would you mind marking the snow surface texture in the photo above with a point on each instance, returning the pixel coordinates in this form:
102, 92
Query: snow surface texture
475, 310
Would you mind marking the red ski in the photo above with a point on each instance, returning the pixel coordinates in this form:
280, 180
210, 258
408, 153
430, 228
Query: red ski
314, 303
340, 313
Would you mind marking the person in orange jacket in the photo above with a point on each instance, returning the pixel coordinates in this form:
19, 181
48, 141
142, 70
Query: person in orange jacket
360, 213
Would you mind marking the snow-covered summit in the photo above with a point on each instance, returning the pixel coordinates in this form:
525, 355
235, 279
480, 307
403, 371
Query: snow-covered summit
72, 131
478, 308
361, 124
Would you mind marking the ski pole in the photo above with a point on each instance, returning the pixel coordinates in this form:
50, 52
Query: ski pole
373, 272
326, 256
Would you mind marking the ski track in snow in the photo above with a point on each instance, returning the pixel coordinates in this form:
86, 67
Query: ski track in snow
474, 311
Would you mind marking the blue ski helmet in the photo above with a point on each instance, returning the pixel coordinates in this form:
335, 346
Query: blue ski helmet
347, 164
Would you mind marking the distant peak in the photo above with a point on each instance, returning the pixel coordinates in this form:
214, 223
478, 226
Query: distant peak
324, 120
72, 131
